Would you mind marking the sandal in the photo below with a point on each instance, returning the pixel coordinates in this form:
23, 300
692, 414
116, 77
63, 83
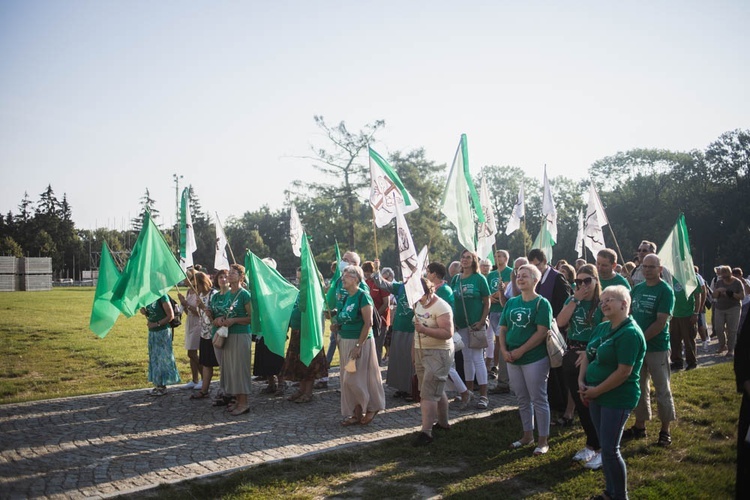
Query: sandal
350, 421
369, 416
483, 403
304, 398
465, 402
519, 444
295, 396
199, 395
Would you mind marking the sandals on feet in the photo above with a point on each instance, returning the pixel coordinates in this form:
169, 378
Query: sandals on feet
199, 395
304, 398
295, 396
369, 416
483, 403
350, 421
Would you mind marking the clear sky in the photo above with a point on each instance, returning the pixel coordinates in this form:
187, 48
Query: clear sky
103, 99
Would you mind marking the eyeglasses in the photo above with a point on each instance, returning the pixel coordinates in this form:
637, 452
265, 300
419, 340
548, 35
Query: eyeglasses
584, 281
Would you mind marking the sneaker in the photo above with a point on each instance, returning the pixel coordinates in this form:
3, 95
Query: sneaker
633, 433
595, 463
483, 403
422, 440
157, 391
492, 376
705, 345
664, 439
675, 367
191, 385
585, 455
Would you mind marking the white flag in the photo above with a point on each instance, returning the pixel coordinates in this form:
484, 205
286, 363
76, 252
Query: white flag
594, 222
295, 231
518, 213
187, 234
387, 191
548, 209
580, 236
487, 230
411, 266
220, 260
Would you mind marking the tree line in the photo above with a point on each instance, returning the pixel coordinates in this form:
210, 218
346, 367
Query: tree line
643, 191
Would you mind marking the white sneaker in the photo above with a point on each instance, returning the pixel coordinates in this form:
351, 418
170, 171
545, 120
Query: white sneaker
705, 345
584, 455
595, 463
190, 385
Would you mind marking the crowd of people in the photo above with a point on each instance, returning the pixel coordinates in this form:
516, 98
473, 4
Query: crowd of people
626, 326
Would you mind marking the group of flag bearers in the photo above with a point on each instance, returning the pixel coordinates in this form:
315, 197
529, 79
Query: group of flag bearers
152, 271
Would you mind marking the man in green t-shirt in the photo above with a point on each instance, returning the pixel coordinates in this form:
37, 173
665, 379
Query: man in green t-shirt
652, 306
684, 325
498, 280
606, 260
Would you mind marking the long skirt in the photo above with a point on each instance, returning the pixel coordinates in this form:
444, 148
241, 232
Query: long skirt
365, 386
294, 369
207, 353
400, 365
266, 363
162, 369
235, 364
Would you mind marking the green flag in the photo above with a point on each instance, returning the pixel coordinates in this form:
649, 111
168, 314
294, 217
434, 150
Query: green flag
103, 313
150, 272
272, 298
545, 241
460, 196
331, 295
675, 256
311, 304
337, 272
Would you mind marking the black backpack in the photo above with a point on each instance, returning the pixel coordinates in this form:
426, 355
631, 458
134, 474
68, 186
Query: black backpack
177, 308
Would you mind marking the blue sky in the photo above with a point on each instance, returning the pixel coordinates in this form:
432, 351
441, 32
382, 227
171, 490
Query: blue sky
105, 99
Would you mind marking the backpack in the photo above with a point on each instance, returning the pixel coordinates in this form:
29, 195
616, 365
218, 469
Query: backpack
177, 320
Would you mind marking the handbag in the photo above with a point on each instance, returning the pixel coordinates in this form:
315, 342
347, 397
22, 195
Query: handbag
477, 338
458, 342
220, 337
556, 345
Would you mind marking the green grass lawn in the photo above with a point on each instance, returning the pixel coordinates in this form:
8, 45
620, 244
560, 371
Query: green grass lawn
473, 461
49, 351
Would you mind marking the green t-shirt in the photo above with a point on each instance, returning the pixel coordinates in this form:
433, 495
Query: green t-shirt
236, 309
295, 320
493, 280
648, 301
684, 306
579, 326
606, 350
469, 291
155, 312
522, 318
445, 292
617, 279
403, 320
350, 315
337, 294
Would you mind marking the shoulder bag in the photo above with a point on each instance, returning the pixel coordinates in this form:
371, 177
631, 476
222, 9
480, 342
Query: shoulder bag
556, 344
477, 338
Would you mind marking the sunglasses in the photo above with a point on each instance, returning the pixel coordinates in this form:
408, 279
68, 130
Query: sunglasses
584, 281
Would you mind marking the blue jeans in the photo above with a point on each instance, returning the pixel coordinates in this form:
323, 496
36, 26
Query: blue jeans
331, 349
609, 423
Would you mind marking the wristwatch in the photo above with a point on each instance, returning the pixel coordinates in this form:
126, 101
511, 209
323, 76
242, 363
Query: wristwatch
575, 301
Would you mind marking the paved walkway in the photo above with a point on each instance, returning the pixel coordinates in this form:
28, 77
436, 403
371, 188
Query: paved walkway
123, 442
111, 444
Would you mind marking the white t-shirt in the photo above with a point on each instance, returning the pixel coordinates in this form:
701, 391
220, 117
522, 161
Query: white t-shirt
428, 317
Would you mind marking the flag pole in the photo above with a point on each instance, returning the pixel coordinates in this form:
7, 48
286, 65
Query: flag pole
616, 244
374, 231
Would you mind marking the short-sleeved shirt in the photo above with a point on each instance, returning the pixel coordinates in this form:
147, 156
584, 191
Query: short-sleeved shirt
616, 279
648, 302
155, 312
493, 280
684, 306
403, 318
350, 316
725, 302
337, 294
521, 318
428, 317
580, 326
236, 309
606, 351
445, 292
469, 292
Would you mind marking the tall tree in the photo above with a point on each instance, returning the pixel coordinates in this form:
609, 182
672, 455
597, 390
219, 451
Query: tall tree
148, 204
341, 158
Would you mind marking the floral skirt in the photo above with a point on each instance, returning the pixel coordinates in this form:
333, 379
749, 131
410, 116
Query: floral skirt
295, 370
162, 369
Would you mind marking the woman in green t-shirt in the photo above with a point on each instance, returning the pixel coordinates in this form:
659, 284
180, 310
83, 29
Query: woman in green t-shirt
608, 382
524, 325
580, 315
471, 306
162, 369
362, 394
